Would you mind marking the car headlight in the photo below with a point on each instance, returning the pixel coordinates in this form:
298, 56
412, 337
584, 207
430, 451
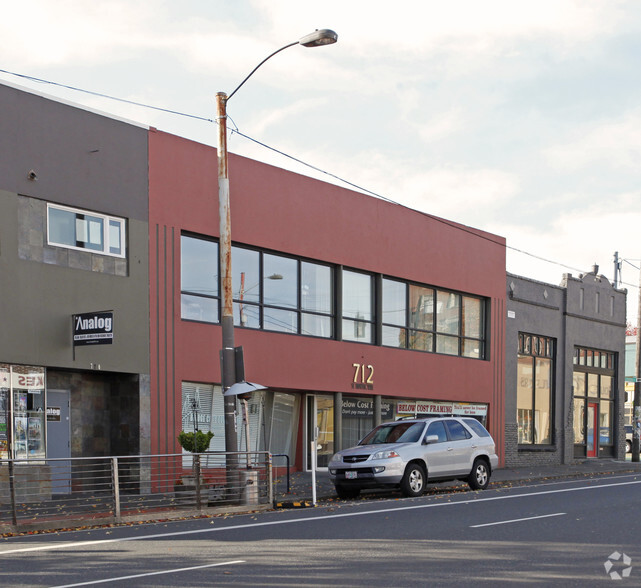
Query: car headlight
387, 454
337, 457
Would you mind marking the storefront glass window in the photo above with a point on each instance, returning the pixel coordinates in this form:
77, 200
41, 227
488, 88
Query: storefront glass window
29, 411
605, 422
534, 390
542, 399
284, 425
5, 403
579, 420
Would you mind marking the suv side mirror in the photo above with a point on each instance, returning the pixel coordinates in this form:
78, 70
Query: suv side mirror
430, 439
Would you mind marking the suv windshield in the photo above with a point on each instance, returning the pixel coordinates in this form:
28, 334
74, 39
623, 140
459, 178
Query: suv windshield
394, 433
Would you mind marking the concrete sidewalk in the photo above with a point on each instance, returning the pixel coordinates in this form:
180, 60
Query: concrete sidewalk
301, 490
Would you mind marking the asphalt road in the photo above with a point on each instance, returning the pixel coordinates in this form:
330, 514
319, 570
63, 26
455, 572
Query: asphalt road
555, 533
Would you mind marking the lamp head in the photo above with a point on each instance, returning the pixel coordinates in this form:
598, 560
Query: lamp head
318, 38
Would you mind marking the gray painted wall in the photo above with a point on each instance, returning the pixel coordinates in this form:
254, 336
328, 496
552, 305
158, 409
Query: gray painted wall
87, 161
555, 311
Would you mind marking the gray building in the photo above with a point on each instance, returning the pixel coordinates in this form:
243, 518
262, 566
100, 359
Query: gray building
73, 243
564, 385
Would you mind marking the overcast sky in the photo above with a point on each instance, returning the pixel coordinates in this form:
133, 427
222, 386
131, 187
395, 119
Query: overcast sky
522, 118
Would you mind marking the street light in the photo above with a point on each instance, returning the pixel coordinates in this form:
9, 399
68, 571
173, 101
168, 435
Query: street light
316, 39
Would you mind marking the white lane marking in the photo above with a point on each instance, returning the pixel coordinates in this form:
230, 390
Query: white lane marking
176, 570
50, 546
556, 514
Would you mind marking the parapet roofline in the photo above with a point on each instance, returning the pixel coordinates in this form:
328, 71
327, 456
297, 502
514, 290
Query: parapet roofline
73, 104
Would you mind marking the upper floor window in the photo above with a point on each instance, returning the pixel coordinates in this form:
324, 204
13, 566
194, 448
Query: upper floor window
358, 315
422, 318
199, 279
279, 293
86, 231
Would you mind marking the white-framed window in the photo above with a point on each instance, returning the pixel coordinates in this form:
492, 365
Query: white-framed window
86, 231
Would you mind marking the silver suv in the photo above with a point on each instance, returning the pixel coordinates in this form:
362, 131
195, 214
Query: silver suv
408, 453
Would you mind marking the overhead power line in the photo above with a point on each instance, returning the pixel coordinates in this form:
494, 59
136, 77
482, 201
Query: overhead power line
451, 224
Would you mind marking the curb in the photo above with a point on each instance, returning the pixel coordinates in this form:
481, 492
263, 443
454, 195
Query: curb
294, 504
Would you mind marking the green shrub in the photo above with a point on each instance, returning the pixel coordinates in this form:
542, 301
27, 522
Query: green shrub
195, 442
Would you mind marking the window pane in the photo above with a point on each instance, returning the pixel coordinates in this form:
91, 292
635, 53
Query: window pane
448, 345
394, 337
199, 308
357, 296
421, 308
198, 266
280, 281
524, 387
593, 385
421, 341
472, 348
316, 325
89, 232
357, 331
605, 423
447, 312
394, 295
115, 237
316, 288
472, 318
62, 227
246, 315
578, 382
246, 276
280, 320
579, 420
606, 386
542, 409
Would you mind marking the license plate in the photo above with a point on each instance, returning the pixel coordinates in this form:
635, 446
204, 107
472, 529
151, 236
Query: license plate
351, 475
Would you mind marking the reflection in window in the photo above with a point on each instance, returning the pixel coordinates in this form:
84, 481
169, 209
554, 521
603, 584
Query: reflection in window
78, 229
534, 391
357, 307
199, 279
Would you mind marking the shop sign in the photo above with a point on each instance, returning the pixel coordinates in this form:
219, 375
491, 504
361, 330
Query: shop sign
35, 382
93, 328
464, 409
421, 407
53, 414
362, 408
4, 379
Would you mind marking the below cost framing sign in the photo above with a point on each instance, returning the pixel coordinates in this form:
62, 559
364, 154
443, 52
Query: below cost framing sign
93, 328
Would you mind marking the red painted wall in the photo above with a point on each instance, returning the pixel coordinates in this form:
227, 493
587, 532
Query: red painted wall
275, 209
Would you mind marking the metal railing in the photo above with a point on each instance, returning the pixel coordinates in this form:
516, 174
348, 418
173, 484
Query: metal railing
57, 493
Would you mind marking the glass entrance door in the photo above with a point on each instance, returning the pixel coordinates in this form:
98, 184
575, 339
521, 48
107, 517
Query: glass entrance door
592, 430
320, 427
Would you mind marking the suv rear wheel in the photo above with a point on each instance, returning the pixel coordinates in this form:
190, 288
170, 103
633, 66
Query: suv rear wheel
413, 482
479, 477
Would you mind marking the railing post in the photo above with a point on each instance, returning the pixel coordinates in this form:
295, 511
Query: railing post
12, 492
116, 487
197, 479
270, 478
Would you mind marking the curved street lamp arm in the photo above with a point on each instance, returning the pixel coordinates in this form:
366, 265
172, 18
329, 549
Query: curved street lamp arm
261, 63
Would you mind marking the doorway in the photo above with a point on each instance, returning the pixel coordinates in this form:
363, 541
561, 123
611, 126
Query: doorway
592, 438
59, 440
320, 427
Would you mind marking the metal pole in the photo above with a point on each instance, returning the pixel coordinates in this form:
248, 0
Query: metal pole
636, 414
227, 319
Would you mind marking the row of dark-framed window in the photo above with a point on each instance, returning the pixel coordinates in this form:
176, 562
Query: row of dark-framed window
282, 293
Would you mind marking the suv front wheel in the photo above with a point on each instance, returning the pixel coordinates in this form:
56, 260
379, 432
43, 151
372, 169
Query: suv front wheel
479, 477
413, 482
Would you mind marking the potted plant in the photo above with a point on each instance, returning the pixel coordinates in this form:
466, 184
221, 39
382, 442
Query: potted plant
194, 442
